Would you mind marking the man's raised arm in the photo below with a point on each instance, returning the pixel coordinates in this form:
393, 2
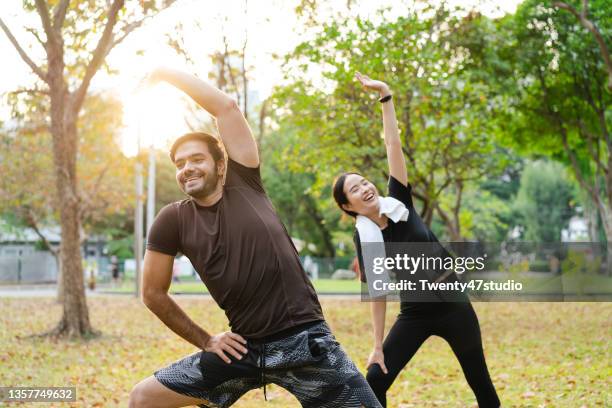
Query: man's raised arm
233, 127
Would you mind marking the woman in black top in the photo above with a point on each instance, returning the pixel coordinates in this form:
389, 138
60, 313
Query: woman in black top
456, 322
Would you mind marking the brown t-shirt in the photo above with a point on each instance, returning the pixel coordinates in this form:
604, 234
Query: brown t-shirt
243, 254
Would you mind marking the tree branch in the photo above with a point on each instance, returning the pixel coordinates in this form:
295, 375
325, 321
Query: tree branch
31, 221
550, 112
590, 26
30, 91
565, 6
101, 51
33, 31
444, 185
128, 29
88, 197
178, 45
418, 194
226, 61
42, 75
409, 133
43, 12
575, 166
445, 217
457, 207
59, 15
590, 138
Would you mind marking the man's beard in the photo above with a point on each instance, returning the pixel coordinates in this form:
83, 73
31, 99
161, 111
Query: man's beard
206, 188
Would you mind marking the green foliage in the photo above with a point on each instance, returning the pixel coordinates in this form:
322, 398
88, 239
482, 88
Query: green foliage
539, 265
578, 263
506, 185
577, 269
84, 24
104, 183
444, 110
105, 174
120, 243
544, 201
485, 217
560, 79
555, 88
490, 203
308, 213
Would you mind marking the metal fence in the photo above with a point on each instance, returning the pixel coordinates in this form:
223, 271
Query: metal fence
323, 268
34, 267
29, 267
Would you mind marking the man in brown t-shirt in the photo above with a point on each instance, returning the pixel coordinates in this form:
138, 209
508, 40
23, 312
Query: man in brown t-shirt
233, 237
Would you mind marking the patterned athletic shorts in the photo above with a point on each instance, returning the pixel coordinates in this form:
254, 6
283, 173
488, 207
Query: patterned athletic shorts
310, 364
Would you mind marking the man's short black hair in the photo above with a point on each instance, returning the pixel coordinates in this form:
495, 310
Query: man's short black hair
214, 144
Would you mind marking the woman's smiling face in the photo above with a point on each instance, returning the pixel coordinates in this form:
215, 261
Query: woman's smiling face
362, 195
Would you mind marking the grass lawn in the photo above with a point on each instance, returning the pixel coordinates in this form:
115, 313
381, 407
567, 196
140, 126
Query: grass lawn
189, 285
582, 284
539, 354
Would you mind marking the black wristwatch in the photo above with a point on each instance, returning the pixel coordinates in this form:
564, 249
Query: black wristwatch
385, 98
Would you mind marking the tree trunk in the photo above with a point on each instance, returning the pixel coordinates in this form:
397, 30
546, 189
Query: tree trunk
65, 107
590, 214
453, 226
452, 222
454, 232
75, 317
60, 280
606, 217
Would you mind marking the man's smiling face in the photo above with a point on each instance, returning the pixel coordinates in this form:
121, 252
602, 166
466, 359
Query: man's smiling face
197, 174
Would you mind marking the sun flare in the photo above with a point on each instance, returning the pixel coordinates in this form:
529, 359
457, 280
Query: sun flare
152, 116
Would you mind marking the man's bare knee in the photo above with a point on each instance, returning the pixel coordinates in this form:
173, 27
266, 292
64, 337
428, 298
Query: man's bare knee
150, 393
137, 396
144, 394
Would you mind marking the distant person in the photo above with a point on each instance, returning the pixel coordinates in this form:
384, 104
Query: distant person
235, 240
355, 267
394, 219
176, 270
114, 268
91, 281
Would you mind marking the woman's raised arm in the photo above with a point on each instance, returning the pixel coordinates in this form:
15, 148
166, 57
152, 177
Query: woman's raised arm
393, 144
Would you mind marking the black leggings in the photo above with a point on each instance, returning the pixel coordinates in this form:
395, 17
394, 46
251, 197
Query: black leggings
454, 322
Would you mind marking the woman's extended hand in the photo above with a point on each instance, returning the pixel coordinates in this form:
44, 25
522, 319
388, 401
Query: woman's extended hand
377, 357
372, 84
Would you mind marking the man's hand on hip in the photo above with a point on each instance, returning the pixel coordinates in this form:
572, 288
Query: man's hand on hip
226, 342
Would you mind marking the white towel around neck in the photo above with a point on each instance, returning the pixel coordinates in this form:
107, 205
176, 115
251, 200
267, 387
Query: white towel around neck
370, 233
393, 208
